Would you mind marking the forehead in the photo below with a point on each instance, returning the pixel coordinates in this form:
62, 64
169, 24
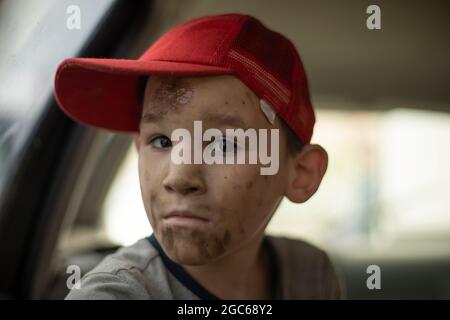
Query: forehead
204, 97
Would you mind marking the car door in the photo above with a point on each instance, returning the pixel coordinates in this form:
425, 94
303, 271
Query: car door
42, 151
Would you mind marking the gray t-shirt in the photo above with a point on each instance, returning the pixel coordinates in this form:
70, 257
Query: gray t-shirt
143, 271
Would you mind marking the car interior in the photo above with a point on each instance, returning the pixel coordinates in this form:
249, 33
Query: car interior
56, 174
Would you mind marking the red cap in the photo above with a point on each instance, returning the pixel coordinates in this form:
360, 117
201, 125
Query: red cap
104, 92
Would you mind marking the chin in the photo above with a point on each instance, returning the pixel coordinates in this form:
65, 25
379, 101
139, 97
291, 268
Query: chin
191, 248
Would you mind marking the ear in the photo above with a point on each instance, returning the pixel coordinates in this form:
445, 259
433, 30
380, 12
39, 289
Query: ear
137, 142
306, 172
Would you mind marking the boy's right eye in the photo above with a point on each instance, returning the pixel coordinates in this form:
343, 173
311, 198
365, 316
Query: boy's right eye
160, 142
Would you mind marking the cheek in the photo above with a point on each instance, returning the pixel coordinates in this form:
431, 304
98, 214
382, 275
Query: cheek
144, 176
150, 172
151, 167
261, 194
247, 199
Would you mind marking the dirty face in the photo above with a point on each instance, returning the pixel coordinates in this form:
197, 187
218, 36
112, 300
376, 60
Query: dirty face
200, 212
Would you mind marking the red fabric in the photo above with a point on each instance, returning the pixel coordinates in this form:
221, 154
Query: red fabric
103, 92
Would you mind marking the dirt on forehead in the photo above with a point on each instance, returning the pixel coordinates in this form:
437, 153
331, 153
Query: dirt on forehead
169, 93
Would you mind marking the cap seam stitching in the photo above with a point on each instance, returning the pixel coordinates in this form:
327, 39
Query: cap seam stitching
232, 32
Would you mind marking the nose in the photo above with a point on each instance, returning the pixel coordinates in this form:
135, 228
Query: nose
184, 179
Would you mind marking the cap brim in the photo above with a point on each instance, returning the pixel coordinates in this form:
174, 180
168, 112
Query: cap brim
104, 92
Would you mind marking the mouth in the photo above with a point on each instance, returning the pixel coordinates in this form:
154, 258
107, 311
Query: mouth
185, 218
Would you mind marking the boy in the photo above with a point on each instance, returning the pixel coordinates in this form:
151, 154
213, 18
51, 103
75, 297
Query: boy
224, 71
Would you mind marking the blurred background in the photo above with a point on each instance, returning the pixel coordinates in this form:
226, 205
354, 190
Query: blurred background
70, 194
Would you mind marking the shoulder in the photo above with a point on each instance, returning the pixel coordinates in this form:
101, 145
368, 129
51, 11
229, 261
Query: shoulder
306, 270
135, 257
295, 246
121, 275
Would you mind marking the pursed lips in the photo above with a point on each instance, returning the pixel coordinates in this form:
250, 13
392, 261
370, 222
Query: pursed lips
184, 214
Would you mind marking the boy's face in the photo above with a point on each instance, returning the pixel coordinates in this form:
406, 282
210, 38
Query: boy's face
232, 202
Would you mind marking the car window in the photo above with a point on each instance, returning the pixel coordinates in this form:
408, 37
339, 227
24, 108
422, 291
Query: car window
29, 55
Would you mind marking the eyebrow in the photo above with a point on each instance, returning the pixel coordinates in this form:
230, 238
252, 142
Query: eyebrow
151, 116
226, 119
219, 118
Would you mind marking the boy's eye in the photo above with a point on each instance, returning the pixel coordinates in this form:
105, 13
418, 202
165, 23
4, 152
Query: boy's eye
160, 142
225, 145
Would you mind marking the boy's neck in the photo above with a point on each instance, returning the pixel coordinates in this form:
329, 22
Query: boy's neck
244, 274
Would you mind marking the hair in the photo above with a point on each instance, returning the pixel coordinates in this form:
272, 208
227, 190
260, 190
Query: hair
140, 88
294, 143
